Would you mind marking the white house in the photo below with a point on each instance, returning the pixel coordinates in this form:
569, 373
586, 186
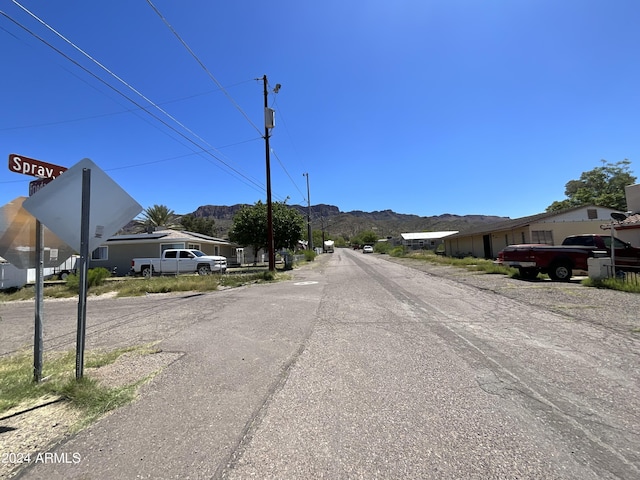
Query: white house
424, 240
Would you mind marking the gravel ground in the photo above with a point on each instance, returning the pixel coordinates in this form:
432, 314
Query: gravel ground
611, 309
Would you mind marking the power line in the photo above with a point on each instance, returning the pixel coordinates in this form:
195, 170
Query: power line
141, 107
109, 71
204, 67
283, 120
81, 119
201, 150
285, 171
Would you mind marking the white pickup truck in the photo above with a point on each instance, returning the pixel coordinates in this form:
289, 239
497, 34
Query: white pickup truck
179, 260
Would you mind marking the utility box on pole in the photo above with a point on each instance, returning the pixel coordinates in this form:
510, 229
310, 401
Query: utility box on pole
269, 117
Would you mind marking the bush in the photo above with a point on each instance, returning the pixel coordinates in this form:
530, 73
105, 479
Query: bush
382, 247
269, 276
397, 251
309, 255
95, 277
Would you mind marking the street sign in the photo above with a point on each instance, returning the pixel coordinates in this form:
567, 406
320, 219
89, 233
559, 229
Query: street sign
35, 168
36, 185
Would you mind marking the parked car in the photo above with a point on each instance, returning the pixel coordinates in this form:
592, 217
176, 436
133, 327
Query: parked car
179, 261
367, 249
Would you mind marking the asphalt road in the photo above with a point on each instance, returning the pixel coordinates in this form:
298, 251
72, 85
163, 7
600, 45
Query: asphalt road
358, 367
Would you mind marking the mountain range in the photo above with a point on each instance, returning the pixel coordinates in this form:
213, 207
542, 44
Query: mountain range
385, 223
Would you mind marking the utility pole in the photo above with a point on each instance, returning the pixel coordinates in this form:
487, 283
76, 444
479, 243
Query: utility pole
269, 116
310, 238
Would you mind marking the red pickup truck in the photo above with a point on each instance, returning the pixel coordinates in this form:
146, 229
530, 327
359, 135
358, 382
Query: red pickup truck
560, 261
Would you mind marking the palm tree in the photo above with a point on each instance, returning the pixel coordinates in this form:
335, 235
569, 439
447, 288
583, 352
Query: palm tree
158, 216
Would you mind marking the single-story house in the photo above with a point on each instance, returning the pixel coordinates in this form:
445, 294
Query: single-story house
424, 240
117, 252
549, 228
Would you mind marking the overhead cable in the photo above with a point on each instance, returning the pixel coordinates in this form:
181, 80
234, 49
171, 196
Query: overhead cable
204, 67
199, 147
285, 171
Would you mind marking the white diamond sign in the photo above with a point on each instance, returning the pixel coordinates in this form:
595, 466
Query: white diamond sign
59, 206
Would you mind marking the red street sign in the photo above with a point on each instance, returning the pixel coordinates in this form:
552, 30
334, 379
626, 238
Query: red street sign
38, 184
35, 168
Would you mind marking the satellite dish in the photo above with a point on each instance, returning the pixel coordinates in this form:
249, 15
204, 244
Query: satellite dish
620, 217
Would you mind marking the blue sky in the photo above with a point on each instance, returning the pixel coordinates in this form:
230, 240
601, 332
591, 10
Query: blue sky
420, 106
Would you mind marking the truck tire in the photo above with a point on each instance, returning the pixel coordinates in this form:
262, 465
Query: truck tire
560, 271
146, 271
528, 273
204, 270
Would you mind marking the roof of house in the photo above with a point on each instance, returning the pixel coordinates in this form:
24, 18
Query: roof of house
427, 235
518, 222
168, 235
632, 221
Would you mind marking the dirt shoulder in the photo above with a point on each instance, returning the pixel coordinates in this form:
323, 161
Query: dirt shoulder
34, 427
610, 309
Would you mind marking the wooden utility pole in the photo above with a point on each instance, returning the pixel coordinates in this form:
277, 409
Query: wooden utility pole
267, 116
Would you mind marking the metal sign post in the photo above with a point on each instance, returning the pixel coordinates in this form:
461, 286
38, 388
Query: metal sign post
84, 264
57, 207
39, 292
46, 172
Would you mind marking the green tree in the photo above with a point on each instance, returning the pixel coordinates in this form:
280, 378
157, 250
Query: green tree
340, 241
287, 226
205, 226
367, 237
158, 216
317, 238
250, 226
602, 186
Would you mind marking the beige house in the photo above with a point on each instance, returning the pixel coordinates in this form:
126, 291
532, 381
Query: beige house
549, 228
118, 250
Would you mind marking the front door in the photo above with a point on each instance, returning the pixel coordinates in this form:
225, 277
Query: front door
486, 240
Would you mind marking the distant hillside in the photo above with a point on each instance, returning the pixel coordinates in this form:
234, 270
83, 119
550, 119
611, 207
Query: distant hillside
385, 223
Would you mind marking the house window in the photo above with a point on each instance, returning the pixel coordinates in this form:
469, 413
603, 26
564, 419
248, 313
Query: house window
524, 240
166, 246
542, 236
194, 246
216, 250
100, 253
592, 213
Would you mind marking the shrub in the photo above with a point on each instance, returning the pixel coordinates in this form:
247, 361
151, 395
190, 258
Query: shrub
309, 255
95, 277
269, 276
397, 251
382, 247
